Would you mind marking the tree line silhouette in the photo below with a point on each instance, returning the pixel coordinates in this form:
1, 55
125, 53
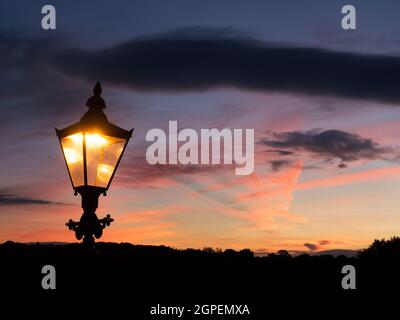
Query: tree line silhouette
152, 273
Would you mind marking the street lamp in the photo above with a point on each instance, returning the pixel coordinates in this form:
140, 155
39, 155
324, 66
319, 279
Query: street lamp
92, 149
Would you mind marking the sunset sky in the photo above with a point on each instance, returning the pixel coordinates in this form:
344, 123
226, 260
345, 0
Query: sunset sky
324, 104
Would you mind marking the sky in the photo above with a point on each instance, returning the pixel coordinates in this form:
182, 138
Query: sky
324, 103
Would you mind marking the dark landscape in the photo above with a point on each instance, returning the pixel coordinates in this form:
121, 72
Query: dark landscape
159, 274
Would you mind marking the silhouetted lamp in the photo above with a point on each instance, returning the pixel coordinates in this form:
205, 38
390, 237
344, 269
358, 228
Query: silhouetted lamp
92, 149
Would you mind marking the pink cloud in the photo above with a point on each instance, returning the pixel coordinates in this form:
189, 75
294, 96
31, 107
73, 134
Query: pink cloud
349, 178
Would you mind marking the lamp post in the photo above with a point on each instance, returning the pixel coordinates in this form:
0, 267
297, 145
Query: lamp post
92, 149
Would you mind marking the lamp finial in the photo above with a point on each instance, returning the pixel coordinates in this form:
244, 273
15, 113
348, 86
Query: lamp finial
96, 102
97, 89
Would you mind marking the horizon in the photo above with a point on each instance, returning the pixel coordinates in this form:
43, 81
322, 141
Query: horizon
333, 252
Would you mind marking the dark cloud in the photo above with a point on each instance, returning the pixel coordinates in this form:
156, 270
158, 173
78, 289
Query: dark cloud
9, 199
198, 58
324, 242
281, 152
311, 167
311, 246
314, 247
277, 165
330, 145
32, 90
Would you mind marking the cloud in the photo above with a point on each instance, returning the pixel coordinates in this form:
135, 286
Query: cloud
281, 152
330, 145
314, 247
380, 174
324, 242
32, 90
311, 246
207, 58
9, 199
137, 172
277, 165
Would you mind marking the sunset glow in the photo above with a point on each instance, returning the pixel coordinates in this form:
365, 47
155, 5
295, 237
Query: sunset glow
322, 105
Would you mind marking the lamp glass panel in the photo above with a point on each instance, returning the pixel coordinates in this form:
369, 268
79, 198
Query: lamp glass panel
73, 152
102, 154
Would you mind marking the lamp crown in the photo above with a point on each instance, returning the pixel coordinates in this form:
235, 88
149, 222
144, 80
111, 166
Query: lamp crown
96, 102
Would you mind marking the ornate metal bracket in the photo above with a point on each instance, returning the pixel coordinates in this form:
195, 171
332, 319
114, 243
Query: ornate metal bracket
88, 227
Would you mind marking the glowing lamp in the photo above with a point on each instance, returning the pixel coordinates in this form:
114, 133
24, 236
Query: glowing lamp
92, 149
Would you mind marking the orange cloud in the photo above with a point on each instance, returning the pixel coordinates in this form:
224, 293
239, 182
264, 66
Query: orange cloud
268, 205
